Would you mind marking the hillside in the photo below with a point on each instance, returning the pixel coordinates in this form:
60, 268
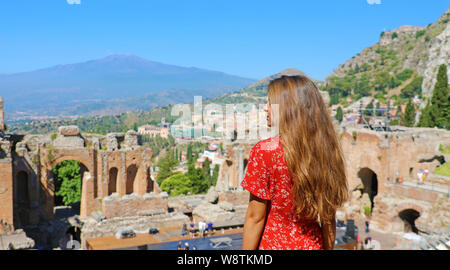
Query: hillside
405, 58
256, 92
109, 85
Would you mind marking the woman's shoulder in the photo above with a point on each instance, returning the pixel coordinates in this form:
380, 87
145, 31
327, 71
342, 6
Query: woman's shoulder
267, 145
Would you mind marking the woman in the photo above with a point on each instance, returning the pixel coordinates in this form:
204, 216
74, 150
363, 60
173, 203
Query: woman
297, 179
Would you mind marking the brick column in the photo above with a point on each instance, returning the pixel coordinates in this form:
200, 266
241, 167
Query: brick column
6, 191
87, 195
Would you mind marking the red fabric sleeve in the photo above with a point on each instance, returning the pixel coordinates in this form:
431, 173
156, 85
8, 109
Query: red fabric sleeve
256, 179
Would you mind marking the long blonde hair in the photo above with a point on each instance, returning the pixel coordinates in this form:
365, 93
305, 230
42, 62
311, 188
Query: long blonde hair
311, 147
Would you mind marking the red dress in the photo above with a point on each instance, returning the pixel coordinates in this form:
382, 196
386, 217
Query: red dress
268, 178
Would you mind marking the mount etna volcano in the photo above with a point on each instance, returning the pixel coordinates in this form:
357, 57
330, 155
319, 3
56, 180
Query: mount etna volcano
109, 85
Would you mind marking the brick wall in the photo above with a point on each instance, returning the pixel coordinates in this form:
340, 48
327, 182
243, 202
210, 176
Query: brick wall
416, 193
134, 205
6, 191
236, 198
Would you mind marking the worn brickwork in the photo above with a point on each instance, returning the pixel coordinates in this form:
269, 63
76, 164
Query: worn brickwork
135, 205
6, 192
235, 198
26, 174
374, 160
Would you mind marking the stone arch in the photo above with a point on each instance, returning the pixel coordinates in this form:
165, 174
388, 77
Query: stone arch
76, 158
408, 205
131, 175
409, 216
83, 169
369, 180
112, 180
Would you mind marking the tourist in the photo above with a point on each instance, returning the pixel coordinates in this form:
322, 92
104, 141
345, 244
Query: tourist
179, 247
367, 226
424, 177
192, 231
184, 230
304, 162
186, 246
203, 229
210, 228
420, 174
200, 227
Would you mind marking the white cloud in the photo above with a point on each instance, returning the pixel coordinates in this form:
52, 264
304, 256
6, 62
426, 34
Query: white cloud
371, 2
71, 2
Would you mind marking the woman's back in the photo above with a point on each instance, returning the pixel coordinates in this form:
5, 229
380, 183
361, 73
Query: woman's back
268, 178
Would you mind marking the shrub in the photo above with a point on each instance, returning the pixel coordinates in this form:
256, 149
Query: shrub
444, 169
420, 33
412, 89
405, 75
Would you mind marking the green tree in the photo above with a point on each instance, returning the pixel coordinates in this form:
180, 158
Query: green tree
369, 109
177, 184
339, 114
166, 166
405, 74
215, 175
437, 112
334, 99
426, 119
207, 171
189, 153
410, 114
412, 89
440, 101
377, 112
67, 179
199, 183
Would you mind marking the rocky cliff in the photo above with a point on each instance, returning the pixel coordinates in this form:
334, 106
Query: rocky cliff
420, 49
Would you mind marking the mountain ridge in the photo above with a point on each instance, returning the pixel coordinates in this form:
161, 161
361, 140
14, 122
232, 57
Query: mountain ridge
66, 87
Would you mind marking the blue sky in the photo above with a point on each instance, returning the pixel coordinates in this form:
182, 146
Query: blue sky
248, 38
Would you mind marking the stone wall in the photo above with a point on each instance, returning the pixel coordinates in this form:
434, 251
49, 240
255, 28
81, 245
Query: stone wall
6, 191
235, 198
135, 205
416, 193
433, 214
36, 155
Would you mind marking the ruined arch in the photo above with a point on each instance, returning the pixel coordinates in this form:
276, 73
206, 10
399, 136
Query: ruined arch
76, 158
112, 180
369, 180
409, 217
131, 176
83, 169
